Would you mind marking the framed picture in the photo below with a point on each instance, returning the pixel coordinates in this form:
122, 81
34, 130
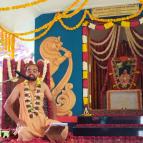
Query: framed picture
124, 99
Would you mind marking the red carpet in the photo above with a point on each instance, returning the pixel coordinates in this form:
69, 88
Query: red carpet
83, 139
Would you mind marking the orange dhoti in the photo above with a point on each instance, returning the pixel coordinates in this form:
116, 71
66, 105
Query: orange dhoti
38, 125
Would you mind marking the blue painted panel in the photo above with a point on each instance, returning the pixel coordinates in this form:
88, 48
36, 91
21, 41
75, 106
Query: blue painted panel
72, 40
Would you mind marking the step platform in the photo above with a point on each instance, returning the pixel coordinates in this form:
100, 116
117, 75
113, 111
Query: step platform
110, 119
109, 126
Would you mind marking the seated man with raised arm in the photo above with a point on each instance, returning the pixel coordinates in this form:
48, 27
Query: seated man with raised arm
32, 121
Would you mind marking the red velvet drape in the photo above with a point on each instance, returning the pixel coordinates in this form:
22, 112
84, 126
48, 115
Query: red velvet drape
87, 139
100, 81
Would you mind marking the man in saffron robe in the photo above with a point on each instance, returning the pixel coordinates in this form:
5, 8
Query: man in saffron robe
32, 121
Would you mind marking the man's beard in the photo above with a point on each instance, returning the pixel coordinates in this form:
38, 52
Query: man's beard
31, 77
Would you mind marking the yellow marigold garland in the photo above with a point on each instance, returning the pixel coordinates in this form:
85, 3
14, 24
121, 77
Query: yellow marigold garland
71, 6
48, 25
66, 15
77, 25
42, 34
75, 11
15, 7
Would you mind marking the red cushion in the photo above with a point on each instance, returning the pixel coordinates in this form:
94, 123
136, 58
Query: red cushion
70, 119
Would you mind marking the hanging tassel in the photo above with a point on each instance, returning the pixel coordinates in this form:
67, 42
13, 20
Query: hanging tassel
85, 23
85, 100
108, 25
5, 41
8, 42
12, 45
2, 40
125, 24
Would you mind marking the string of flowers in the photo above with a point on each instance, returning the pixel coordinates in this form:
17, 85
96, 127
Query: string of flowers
117, 42
66, 15
113, 38
101, 43
101, 66
60, 15
15, 7
87, 13
132, 42
74, 27
11, 78
40, 35
115, 51
137, 35
108, 46
76, 11
47, 24
44, 70
32, 106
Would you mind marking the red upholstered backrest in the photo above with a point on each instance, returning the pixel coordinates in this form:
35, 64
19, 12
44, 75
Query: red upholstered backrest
8, 86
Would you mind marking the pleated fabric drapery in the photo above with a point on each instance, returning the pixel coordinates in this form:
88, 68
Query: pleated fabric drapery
104, 45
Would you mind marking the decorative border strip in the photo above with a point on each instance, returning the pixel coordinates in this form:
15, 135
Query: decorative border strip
108, 25
85, 66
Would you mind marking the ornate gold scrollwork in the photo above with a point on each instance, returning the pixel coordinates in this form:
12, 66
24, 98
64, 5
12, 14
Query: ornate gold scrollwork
51, 49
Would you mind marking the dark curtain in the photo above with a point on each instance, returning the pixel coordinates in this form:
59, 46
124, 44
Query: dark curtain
99, 75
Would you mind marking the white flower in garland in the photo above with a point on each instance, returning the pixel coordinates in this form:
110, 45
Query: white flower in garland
11, 78
44, 69
19, 65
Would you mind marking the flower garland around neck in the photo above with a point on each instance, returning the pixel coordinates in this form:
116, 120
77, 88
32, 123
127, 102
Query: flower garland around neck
11, 78
32, 100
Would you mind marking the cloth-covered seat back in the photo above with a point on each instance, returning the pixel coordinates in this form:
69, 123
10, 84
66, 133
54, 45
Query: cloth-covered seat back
11, 79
